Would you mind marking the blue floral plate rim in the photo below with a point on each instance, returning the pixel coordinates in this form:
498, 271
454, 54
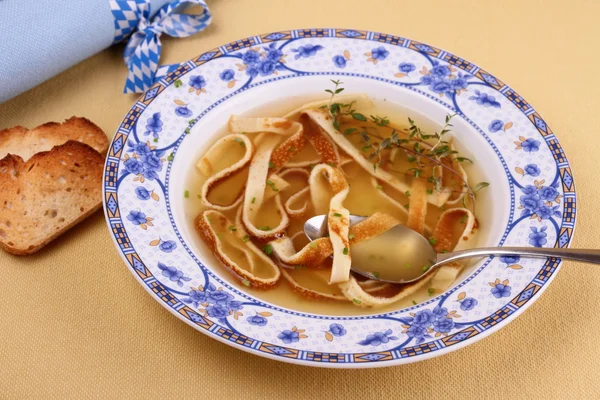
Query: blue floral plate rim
402, 354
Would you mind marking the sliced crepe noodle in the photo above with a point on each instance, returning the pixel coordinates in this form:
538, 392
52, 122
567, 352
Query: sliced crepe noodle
338, 217
206, 165
297, 204
323, 119
446, 238
279, 126
254, 197
229, 242
358, 101
417, 206
312, 293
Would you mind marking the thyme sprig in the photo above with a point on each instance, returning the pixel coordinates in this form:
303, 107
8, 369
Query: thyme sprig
412, 140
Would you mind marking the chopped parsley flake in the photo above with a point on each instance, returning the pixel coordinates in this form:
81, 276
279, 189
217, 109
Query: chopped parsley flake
245, 238
186, 194
246, 282
232, 228
345, 251
351, 236
268, 249
356, 301
337, 215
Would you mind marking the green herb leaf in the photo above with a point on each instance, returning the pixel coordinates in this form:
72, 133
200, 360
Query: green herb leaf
245, 238
186, 194
313, 245
232, 228
349, 131
430, 291
246, 282
407, 193
429, 191
178, 83
480, 186
268, 249
463, 219
271, 165
272, 185
358, 116
432, 241
336, 124
351, 236
265, 228
426, 267
240, 142
463, 159
356, 301
375, 274
337, 215
253, 200
155, 140
414, 303
379, 187
170, 157
345, 251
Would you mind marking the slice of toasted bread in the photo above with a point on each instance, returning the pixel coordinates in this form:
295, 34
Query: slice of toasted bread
25, 143
44, 196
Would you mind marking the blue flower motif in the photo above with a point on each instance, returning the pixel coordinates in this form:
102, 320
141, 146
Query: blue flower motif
440, 312
139, 148
252, 71
545, 212
530, 145
529, 189
337, 330
137, 217
308, 50
537, 238
183, 111
443, 325
440, 71
423, 318
468, 303
195, 298
197, 82
418, 332
153, 125
133, 166
266, 67
250, 57
152, 164
379, 53
483, 99
235, 305
406, 68
531, 202
460, 82
217, 311
510, 259
339, 61
288, 336
532, 170
167, 246
257, 320
227, 75
548, 193
500, 290
273, 53
142, 193
173, 274
496, 125
437, 85
378, 338
218, 297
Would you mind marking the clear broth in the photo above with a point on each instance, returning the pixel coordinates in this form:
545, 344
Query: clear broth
358, 202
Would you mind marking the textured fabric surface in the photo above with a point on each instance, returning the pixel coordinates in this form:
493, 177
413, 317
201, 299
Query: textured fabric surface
41, 39
74, 323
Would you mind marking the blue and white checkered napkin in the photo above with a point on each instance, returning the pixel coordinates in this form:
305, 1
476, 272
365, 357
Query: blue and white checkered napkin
43, 39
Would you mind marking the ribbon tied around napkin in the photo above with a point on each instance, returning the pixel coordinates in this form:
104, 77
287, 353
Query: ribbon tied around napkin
142, 52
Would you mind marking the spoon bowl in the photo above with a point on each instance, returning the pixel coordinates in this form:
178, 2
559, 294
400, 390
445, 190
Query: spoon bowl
401, 255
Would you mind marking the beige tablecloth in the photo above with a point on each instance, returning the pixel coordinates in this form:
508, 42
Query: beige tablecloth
74, 323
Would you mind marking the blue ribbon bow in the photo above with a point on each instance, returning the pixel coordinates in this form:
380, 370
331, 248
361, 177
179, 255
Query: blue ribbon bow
142, 52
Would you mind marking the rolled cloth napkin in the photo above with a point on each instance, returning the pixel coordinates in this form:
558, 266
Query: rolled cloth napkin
42, 39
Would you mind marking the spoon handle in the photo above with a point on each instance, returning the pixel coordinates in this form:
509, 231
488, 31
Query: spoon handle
585, 255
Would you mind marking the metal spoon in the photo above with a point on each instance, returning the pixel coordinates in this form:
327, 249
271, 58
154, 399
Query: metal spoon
401, 255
